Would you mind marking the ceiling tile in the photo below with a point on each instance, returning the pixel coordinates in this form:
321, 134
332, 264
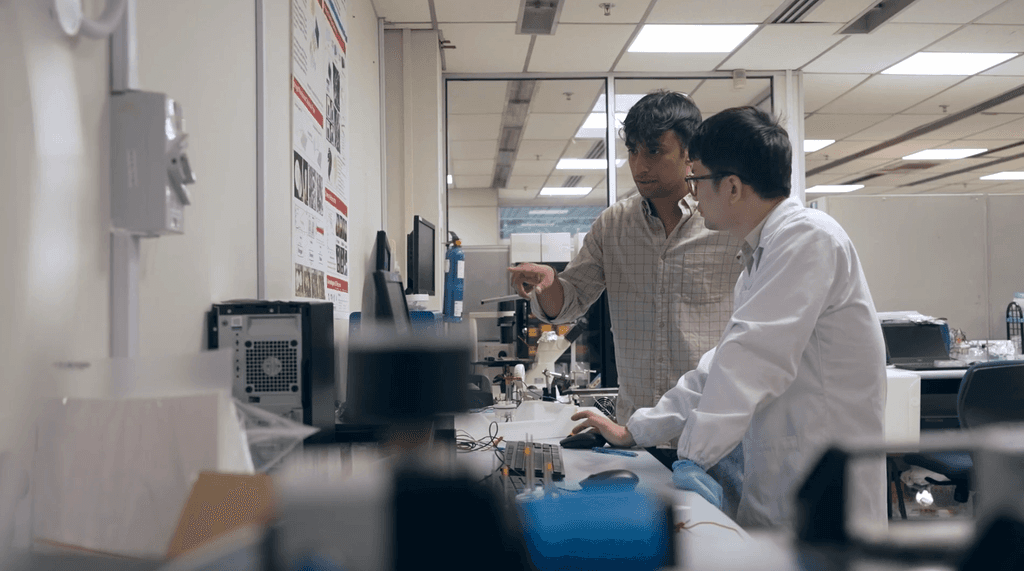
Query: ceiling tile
531, 148
472, 149
840, 11
472, 181
966, 94
826, 126
474, 11
669, 63
473, 167
403, 11
716, 95
621, 12
645, 86
474, 127
892, 127
783, 46
1014, 66
531, 167
890, 93
719, 12
871, 53
945, 11
822, 88
1011, 12
552, 126
970, 126
517, 193
858, 167
549, 95
576, 47
839, 150
485, 48
534, 182
982, 38
1010, 131
993, 144
900, 150
476, 97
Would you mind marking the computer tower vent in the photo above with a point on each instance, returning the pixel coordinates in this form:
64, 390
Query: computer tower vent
272, 366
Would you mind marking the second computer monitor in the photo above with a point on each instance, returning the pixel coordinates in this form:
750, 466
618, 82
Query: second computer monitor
421, 249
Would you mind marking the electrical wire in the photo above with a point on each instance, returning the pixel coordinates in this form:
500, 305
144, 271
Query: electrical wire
465, 442
686, 526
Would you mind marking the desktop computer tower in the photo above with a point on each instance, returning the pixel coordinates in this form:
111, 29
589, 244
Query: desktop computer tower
283, 357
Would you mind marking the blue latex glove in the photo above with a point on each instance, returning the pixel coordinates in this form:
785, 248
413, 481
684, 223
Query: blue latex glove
687, 475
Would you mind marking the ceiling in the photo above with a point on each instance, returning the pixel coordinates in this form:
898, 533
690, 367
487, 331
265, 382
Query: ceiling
875, 119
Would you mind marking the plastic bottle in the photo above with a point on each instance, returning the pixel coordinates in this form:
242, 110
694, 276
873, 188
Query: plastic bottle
454, 279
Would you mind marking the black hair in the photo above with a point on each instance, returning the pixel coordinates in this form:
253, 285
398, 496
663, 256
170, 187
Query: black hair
656, 113
749, 143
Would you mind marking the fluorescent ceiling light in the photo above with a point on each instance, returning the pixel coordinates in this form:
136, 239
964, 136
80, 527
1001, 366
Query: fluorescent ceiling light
565, 190
596, 125
1005, 175
549, 212
582, 164
833, 188
942, 154
451, 180
537, 224
688, 38
811, 145
947, 63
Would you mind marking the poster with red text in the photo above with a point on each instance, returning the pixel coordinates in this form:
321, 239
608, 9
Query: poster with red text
320, 198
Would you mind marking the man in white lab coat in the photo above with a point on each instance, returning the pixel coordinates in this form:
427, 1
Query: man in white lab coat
801, 364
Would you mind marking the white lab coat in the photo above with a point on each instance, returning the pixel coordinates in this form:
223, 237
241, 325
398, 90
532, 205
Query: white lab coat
800, 366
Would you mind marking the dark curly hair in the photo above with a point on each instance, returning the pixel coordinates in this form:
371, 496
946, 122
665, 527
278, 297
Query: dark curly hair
656, 113
749, 143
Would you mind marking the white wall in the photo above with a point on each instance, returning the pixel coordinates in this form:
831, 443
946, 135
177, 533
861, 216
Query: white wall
215, 260
952, 256
55, 244
415, 126
55, 221
474, 215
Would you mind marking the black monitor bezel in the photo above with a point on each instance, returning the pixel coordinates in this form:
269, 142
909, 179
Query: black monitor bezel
392, 308
418, 283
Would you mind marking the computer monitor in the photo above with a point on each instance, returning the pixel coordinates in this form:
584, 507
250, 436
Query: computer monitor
421, 246
391, 305
383, 252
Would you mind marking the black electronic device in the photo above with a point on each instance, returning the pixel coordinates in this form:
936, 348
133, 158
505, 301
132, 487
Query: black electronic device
421, 247
616, 478
391, 305
586, 439
917, 346
383, 248
283, 357
542, 452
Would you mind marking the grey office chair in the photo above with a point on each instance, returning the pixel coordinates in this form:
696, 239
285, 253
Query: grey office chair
991, 392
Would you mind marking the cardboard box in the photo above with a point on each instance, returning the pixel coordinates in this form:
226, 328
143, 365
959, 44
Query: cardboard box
220, 504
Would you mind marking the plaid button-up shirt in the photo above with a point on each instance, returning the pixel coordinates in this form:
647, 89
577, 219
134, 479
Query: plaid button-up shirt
670, 297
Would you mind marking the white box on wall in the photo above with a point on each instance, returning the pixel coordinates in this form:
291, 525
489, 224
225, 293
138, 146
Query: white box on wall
555, 247
524, 248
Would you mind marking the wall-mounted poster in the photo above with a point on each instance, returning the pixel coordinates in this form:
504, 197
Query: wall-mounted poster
320, 199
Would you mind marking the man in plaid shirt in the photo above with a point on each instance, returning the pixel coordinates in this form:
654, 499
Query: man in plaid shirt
669, 279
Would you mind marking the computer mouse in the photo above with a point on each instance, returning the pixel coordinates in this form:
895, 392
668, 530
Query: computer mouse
622, 478
585, 439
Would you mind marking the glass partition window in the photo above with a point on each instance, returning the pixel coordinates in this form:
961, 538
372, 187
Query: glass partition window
531, 155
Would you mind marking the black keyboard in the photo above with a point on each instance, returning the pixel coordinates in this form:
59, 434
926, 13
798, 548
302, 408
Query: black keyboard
515, 458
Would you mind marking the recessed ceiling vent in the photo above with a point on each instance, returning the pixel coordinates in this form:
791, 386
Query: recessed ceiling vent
794, 12
878, 14
908, 167
538, 16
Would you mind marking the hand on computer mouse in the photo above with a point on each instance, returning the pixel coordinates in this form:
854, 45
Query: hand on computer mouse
586, 439
615, 434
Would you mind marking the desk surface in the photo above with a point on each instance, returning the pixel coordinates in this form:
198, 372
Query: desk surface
708, 531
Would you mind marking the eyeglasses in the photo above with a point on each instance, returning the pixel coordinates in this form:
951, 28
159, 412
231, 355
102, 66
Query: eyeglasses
712, 176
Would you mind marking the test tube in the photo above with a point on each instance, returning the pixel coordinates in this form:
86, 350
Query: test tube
549, 487
528, 462
504, 484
